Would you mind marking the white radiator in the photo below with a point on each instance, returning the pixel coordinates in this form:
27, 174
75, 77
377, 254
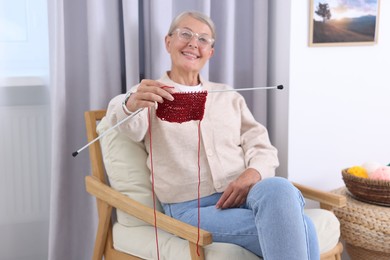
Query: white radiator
24, 172
24, 165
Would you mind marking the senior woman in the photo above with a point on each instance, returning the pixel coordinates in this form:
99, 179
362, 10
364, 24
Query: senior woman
241, 201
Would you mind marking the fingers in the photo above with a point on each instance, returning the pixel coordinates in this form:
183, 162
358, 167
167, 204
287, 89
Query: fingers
237, 191
148, 93
222, 200
155, 91
231, 198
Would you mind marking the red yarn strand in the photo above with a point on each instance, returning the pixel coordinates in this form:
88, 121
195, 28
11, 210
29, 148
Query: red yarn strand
152, 173
185, 107
197, 242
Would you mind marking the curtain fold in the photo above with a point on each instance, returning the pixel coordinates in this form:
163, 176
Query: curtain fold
85, 61
131, 45
99, 48
260, 59
69, 84
104, 38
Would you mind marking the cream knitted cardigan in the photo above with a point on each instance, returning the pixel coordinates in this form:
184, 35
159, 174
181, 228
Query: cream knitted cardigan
231, 141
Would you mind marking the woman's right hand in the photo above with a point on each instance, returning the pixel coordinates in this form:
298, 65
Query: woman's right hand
149, 92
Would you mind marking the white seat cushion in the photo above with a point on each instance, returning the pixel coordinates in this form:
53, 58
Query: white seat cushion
327, 227
125, 163
141, 241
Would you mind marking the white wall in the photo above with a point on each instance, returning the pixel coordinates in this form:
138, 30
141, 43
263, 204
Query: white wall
338, 99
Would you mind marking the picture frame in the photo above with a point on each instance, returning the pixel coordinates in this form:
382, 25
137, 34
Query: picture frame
343, 23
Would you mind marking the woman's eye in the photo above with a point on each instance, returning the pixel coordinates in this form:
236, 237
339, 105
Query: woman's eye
203, 40
186, 35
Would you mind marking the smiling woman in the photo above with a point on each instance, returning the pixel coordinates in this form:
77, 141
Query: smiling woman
218, 171
98, 48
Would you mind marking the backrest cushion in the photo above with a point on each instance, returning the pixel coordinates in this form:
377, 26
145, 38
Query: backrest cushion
125, 163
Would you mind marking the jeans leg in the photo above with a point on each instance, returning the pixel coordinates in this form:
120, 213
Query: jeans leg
271, 224
283, 229
236, 225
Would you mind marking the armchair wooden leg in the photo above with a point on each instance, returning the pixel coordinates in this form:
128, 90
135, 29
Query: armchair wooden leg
194, 252
333, 254
105, 211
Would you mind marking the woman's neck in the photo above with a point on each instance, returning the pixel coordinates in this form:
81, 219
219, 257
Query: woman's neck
188, 79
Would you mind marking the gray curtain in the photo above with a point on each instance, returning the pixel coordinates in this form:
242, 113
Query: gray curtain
100, 48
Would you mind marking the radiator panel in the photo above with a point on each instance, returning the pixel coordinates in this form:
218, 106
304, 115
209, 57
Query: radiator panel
24, 165
25, 181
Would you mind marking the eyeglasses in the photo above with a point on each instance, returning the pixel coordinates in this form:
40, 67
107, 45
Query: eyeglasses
186, 35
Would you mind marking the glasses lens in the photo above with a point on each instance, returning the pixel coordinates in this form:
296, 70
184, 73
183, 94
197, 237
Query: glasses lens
186, 35
204, 40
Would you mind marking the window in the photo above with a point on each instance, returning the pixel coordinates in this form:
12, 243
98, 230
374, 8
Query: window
24, 44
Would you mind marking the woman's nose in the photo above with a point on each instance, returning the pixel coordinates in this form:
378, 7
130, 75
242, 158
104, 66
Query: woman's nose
193, 42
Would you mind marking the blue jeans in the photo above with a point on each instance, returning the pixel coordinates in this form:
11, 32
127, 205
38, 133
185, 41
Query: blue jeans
271, 224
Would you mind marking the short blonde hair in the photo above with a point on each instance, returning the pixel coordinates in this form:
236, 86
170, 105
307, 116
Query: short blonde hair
196, 15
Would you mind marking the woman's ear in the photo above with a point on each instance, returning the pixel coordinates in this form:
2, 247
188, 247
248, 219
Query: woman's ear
168, 43
211, 53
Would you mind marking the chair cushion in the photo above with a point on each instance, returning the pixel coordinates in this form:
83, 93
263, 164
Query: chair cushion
125, 163
327, 226
141, 242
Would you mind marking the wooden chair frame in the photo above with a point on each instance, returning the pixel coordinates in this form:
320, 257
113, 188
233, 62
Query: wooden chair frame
108, 198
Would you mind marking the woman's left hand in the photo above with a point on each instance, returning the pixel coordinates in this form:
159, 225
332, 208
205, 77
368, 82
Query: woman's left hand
237, 191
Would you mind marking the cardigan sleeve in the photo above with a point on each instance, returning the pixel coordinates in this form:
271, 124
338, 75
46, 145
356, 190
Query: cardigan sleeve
134, 128
259, 153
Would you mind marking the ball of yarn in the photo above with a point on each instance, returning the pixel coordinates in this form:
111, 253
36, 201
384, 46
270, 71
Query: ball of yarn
358, 171
371, 167
382, 173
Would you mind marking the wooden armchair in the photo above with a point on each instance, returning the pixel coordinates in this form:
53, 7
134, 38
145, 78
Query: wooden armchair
108, 198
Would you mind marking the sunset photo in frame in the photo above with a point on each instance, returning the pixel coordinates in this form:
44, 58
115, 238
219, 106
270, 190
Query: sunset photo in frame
341, 22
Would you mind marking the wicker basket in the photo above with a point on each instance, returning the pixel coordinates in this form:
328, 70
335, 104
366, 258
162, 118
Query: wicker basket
371, 191
365, 228
358, 253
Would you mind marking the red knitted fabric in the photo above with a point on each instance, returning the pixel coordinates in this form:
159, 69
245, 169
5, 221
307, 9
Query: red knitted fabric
186, 106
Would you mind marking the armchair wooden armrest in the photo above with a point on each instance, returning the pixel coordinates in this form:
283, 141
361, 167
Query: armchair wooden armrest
327, 200
115, 199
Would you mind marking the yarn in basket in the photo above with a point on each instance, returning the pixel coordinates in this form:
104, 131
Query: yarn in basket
358, 171
382, 173
371, 166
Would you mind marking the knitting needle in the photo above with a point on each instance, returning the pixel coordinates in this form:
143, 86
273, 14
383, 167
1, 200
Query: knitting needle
245, 89
74, 154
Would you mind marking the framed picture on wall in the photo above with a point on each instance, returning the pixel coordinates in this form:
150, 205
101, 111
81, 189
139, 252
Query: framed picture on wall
340, 22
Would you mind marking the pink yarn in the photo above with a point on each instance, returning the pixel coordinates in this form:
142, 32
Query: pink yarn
382, 173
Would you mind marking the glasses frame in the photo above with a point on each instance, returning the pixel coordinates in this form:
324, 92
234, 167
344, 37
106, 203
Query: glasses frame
197, 35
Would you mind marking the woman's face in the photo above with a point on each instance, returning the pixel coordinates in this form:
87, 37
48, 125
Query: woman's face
189, 57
